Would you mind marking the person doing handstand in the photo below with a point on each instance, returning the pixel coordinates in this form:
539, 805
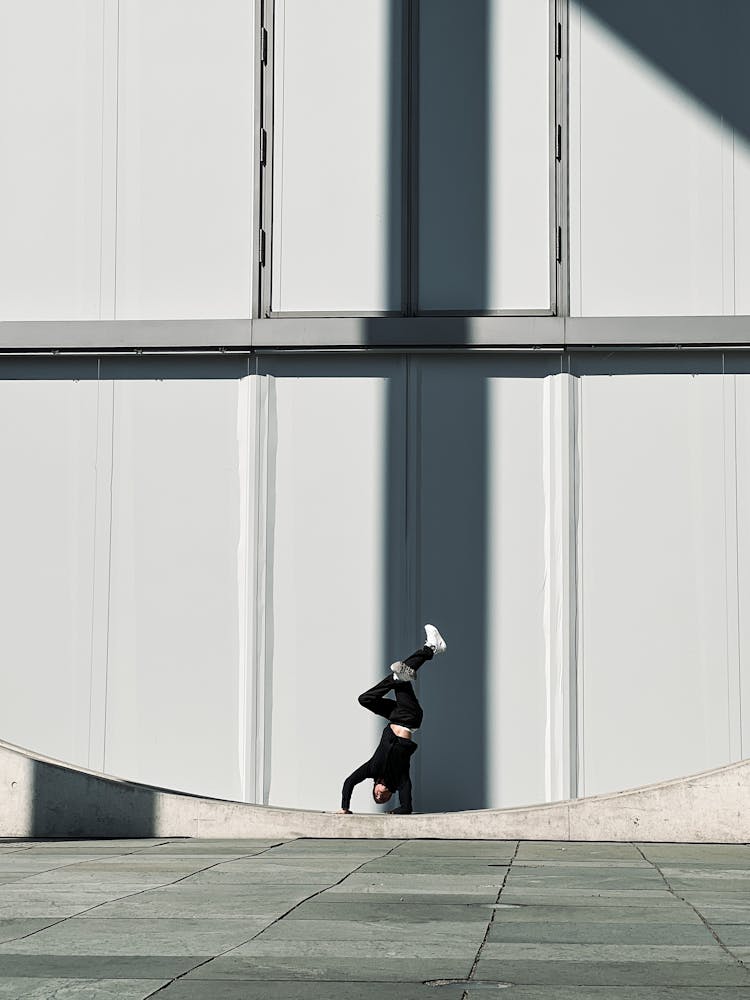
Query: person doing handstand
389, 765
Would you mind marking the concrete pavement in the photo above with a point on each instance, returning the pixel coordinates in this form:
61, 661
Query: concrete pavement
363, 919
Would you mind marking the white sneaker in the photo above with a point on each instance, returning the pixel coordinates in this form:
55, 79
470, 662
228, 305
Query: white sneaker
402, 672
434, 639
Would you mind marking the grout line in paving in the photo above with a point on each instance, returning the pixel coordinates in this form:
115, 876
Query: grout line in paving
139, 892
695, 910
492, 917
273, 922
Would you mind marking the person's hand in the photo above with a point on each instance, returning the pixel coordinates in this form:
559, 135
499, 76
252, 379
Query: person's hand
344, 812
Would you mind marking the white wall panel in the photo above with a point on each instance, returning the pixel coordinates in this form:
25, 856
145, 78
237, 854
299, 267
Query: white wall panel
173, 685
337, 185
650, 162
484, 155
741, 230
50, 168
480, 538
742, 426
328, 585
185, 159
518, 748
655, 674
48, 455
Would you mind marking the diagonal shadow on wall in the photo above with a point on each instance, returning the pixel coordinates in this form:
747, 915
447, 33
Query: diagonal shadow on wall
701, 46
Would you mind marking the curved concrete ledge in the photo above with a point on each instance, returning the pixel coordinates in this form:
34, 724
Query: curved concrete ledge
41, 797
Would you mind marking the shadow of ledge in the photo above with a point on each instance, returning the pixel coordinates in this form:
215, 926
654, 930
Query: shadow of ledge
42, 797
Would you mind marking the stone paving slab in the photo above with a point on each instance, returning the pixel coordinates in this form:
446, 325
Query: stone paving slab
493, 850
430, 931
734, 936
387, 900
382, 949
359, 920
34, 988
18, 928
729, 913
559, 850
584, 911
145, 936
397, 864
221, 901
535, 879
192, 989
598, 952
363, 968
374, 908
465, 884
44, 902
99, 966
613, 993
567, 932
721, 855
264, 874
588, 973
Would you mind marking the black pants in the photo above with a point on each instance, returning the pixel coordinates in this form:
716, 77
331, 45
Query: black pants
405, 710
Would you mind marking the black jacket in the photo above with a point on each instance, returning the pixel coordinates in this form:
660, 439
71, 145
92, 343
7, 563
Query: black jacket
390, 765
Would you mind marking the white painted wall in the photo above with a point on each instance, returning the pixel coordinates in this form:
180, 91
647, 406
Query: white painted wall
484, 156
329, 571
185, 159
51, 164
172, 695
740, 633
200, 575
127, 171
48, 451
337, 156
481, 574
656, 670
658, 159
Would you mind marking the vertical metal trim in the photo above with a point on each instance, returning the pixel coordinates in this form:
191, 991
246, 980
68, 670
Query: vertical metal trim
264, 122
560, 206
731, 568
573, 540
578, 755
410, 180
257, 220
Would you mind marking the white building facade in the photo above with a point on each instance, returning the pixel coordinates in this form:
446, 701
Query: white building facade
320, 320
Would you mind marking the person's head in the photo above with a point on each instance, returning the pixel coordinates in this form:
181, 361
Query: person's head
380, 793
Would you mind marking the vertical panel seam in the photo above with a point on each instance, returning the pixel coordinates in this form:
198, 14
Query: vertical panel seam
93, 563
117, 162
737, 569
243, 441
109, 580
580, 653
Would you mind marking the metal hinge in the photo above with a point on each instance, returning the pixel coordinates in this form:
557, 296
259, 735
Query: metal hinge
558, 41
262, 248
558, 149
264, 46
558, 246
264, 147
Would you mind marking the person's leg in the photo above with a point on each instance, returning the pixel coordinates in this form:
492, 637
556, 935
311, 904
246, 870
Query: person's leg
418, 657
407, 711
374, 699
406, 670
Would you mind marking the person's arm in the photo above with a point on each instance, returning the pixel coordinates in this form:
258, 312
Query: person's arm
354, 779
404, 796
